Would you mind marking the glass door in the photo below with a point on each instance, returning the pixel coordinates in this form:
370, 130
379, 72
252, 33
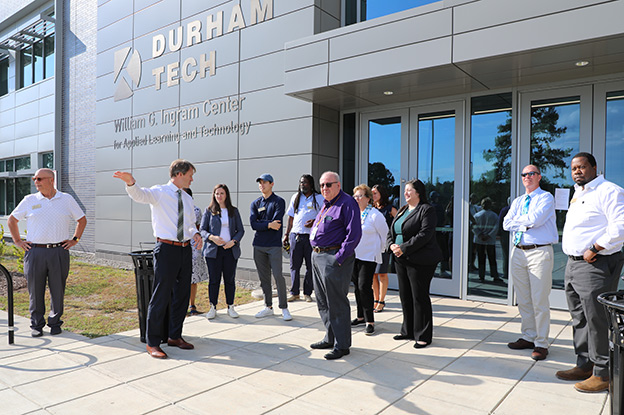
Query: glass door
555, 125
384, 153
436, 145
492, 133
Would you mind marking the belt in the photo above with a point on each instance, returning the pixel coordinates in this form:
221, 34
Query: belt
598, 256
319, 249
527, 247
47, 245
174, 243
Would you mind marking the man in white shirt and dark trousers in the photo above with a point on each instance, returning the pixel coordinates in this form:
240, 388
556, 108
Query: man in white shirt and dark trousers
302, 210
49, 215
173, 222
593, 236
531, 217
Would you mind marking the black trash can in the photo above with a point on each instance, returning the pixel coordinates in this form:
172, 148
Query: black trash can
614, 304
144, 277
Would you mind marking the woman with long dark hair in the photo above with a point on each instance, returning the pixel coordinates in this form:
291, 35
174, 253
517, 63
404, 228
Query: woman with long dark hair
381, 200
222, 229
412, 241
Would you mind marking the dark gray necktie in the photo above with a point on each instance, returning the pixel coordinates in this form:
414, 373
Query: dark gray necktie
180, 216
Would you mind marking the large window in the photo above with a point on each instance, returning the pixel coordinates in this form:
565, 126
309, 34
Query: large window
12, 191
361, 10
4, 76
37, 61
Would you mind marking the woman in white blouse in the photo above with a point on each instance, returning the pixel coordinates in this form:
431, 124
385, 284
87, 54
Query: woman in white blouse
367, 256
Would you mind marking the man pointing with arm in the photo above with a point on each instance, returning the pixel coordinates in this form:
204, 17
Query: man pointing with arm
173, 222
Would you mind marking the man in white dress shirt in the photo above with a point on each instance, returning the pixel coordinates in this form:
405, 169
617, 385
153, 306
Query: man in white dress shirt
173, 222
49, 215
531, 217
593, 236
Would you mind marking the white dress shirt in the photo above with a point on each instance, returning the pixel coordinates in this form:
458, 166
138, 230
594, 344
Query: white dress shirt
307, 210
539, 225
225, 226
596, 215
48, 221
163, 201
374, 234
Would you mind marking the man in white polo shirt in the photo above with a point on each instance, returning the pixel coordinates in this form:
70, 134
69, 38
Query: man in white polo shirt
531, 217
49, 215
593, 236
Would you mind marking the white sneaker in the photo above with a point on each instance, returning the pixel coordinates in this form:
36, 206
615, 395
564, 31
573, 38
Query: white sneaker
212, 313
286, 314
265, 312
308, 298
231, 312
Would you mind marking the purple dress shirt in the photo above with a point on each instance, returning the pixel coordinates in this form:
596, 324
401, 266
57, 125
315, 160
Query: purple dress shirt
338, 224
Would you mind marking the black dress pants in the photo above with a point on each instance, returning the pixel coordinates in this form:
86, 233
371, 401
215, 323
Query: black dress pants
414, 284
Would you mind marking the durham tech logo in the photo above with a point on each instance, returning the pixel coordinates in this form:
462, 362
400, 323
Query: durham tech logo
133, 69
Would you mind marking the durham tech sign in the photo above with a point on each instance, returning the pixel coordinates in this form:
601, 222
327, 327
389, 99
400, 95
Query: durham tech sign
128, 73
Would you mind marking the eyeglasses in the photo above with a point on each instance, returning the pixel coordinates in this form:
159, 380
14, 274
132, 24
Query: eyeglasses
529, 173
358, 196
328, 184
38, 179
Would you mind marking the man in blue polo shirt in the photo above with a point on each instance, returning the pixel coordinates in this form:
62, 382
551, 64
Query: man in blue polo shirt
266, 213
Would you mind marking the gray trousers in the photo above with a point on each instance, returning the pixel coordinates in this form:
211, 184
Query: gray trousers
267, 259
41, 266
583, 283
331, 285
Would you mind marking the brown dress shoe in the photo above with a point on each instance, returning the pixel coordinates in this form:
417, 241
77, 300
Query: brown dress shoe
539, 353
156, 352
180, 343
521, 344
576, 373
593, 384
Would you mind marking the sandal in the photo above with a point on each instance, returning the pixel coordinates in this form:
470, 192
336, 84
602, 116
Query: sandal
193, 311
379, 310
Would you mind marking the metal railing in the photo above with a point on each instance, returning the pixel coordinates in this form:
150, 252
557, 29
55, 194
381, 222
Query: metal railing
9, 281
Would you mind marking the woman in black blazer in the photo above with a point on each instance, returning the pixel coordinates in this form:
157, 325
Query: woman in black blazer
416, 254
221, 247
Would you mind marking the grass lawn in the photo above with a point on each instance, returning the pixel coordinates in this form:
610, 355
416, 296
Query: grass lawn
101, 300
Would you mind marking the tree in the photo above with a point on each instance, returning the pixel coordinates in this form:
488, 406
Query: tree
379, 174
544, 132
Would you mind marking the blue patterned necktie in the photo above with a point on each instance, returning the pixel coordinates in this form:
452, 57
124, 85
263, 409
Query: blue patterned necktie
180, 216
524, 211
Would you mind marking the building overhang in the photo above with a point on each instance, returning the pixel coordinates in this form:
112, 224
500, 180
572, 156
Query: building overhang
436, 51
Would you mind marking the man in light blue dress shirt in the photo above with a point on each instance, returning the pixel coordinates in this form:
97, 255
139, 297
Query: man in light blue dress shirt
531, 218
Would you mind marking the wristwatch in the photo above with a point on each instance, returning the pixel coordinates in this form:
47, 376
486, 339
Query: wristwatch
593, 249
75, 238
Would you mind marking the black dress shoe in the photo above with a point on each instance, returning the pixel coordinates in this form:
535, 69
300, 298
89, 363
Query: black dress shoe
420, 345
321, 345
402, 337
357, 322
337, 354
55, 330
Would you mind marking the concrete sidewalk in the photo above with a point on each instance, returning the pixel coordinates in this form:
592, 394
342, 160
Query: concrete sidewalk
265, 366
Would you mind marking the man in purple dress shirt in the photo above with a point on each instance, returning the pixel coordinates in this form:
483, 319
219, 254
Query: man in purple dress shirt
336, 232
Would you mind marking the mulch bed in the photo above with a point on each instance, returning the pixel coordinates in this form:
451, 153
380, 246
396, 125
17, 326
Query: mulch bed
19, 282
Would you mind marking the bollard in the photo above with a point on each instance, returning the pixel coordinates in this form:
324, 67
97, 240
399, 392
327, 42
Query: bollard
9, 281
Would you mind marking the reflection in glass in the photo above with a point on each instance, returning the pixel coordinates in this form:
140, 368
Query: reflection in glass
490, 184
3, 209
49, 56
384, 155
436, 169
26, 62
555, 139
614, 168
371, 9
4, 76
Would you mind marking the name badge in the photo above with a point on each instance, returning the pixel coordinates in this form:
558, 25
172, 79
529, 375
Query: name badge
36, 207
262, 209
313, 233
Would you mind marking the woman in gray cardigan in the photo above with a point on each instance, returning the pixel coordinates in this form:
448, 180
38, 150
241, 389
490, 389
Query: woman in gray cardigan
222, 230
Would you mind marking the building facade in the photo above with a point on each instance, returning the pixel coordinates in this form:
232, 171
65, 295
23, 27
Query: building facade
458, 93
